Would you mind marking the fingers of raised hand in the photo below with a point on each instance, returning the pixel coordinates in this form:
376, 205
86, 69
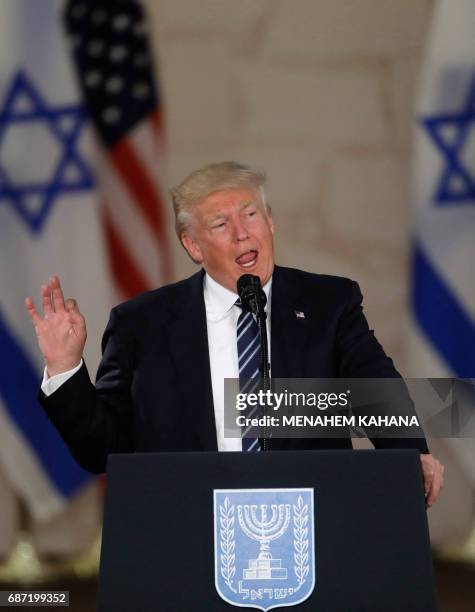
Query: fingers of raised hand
52, 299
30, 307
73, 310
46, 303
70, 304
56, 294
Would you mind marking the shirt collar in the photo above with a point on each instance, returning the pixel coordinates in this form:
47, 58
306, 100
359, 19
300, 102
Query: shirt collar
219, 300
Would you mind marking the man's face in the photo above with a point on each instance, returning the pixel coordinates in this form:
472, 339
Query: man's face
231, 234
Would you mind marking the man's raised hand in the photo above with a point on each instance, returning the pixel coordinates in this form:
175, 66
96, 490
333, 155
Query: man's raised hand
61, 331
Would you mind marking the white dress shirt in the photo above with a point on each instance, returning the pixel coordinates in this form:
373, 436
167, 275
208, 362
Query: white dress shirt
221, 321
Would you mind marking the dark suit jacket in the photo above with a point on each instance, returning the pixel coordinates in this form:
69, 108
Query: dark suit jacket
153, 388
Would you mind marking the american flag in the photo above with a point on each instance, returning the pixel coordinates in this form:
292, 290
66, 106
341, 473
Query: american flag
114, 63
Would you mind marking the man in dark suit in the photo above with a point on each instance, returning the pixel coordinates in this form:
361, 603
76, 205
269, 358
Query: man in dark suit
165, 353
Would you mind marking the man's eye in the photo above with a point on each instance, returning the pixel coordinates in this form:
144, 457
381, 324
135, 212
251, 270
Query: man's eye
219, 225
251, 213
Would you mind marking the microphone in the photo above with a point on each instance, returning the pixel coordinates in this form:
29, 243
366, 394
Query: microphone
252, 296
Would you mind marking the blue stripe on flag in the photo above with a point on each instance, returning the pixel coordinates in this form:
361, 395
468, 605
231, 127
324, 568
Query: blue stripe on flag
19, 384
442, 318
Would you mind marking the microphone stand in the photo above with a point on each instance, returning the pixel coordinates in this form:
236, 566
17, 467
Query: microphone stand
261, 317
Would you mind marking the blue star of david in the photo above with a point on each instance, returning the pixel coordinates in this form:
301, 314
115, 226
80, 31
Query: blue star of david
457, 182
65, 134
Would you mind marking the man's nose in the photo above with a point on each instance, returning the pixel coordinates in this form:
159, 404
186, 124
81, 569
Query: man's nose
240, 231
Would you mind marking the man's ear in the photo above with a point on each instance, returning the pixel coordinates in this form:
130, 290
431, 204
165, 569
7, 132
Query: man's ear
270, 220
192, 248
271, 223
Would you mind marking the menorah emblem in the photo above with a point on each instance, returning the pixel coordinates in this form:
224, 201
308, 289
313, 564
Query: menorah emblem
264, 531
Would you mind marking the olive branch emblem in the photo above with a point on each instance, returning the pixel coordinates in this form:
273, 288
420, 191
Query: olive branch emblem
227, 543
301, 567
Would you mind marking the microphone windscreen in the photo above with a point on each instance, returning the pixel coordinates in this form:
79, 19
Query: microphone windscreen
250, 292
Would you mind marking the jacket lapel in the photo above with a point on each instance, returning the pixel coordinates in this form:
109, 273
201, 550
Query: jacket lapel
190, 354
290, 319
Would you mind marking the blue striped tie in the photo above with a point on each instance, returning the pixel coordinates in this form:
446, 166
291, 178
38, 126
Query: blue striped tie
249, 357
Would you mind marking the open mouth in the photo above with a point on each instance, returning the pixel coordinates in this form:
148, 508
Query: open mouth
247, 259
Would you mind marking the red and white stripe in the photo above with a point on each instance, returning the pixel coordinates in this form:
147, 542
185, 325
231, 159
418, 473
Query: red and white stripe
133, 211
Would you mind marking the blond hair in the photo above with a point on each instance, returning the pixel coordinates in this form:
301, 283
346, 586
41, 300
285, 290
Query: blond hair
208, 179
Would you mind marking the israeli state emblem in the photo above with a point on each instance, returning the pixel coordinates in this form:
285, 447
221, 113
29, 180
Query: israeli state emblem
264, 546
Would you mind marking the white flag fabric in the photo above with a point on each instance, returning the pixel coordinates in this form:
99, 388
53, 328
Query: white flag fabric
49, 224
443, 279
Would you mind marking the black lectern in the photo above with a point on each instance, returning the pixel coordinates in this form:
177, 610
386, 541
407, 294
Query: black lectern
357, 534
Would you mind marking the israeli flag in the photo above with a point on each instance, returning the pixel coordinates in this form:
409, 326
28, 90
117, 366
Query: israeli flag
444, 187
443, 279
264, 546
48, 225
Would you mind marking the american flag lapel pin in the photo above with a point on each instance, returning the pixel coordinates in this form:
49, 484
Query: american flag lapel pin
299, 314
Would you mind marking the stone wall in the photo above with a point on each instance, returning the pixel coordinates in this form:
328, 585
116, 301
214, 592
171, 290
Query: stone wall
319, 93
